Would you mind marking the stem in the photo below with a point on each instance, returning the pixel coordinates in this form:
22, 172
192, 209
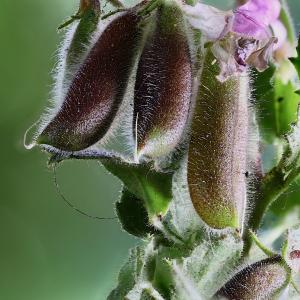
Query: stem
273, 186
261, 246
113, 13
149, 7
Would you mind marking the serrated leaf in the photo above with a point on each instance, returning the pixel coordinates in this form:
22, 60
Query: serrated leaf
133, 215
128, 275
184, 286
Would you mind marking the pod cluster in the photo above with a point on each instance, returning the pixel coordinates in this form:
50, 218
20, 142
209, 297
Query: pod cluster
177, 98
93, 97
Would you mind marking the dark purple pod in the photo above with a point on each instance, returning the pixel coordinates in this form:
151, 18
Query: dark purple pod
163, 85
262, 280
97, 89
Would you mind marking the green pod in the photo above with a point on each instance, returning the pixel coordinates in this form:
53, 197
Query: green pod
163, 85
218, 148
97, 89
262, 280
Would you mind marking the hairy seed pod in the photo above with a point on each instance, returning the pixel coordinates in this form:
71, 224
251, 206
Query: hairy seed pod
78, 39
97, 89
262, 280
218, 147
163, 85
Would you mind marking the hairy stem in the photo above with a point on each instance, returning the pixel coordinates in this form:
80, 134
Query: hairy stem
274, 184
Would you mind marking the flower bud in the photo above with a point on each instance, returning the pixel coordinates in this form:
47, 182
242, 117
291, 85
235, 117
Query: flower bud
218, 148
262, 280
163, 85
97, 89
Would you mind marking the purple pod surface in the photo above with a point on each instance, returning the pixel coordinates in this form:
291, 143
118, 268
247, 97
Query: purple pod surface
163, 85
97, 89
262, 280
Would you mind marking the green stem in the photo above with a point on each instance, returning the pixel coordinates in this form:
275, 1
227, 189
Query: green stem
149, 7
273, 186
260, 245
113, 13
286, 19
70, 21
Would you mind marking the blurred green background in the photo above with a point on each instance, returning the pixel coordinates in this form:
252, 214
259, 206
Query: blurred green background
48, 251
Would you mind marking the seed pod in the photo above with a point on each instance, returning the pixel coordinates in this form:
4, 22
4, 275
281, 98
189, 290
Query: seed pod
218, 147
163, 85
262, 280
97, 89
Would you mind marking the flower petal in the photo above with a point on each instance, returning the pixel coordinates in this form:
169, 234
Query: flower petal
255, 16
212, 22
260, 59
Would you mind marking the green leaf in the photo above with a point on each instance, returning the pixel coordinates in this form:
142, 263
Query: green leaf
182, 217
133, 215
277, 104
211, 263
292, 251
296, 60
185, 287
292, 153
287, 203
129, 274
154, 188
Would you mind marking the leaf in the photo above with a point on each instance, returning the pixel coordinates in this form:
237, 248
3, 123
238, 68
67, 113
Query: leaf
182, 217
276, 104
185, 287
292, 256
210, 264
133, 215
128, 275
154, 188
296, 60
135, 278
292, 154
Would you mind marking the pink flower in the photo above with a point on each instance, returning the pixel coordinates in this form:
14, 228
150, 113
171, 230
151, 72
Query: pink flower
245, 36
254, 18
